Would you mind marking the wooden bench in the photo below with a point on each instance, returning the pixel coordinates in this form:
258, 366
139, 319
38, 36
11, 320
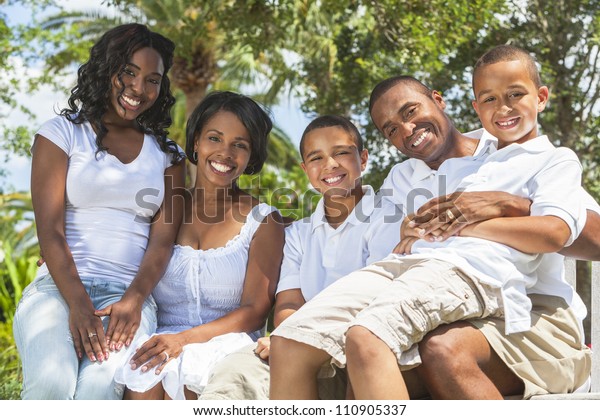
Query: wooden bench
594, 314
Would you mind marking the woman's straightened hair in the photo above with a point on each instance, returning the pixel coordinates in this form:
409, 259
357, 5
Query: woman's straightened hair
250, 113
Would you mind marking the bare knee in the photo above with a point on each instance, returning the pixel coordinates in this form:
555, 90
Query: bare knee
304, 356
446, 349
282, 347
362, 346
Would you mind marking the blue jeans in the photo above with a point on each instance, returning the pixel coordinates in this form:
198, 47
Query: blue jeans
51, 368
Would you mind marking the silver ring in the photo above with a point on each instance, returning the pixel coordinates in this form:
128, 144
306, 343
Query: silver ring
92, 334
166, 356
450, 215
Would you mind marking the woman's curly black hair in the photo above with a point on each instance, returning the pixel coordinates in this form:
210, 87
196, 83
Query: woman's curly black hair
90, 98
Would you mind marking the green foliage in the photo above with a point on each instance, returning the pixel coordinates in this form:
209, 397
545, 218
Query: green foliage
16, 222
19, 250
287, 190
10, 368
16, 272
331, 53
14, 139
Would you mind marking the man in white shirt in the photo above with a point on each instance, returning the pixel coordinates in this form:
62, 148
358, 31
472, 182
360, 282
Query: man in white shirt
460, 361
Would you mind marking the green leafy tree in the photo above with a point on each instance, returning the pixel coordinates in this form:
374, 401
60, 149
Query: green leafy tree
338, 50
13, 137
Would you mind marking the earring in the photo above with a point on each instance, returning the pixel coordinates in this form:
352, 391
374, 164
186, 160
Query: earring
195, 156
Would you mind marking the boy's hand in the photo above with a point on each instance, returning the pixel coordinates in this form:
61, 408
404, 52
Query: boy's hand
263, 347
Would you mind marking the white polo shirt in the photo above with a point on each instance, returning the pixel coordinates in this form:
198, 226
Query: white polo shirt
316, 255
536, 170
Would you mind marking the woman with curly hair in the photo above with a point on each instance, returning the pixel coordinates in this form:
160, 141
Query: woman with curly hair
103, 178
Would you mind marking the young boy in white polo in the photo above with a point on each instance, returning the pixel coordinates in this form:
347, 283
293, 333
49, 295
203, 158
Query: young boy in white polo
349, 229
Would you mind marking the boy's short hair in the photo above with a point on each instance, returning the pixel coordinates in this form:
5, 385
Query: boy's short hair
385, 85
325, 121
503, 53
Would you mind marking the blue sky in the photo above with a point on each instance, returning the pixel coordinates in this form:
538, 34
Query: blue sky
286, 115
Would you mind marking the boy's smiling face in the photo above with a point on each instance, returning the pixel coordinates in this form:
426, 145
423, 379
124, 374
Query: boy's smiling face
332, 161
507, 101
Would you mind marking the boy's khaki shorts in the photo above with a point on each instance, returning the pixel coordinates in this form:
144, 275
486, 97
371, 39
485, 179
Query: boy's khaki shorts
243, 375
549, 358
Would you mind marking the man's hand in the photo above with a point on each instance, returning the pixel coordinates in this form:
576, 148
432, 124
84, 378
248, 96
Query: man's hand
409, 234
447, 215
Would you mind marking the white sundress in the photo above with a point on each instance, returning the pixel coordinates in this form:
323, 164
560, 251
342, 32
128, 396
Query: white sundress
198, 287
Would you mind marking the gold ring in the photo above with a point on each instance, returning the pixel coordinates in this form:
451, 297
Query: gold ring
450, 215
91, 334
166, 356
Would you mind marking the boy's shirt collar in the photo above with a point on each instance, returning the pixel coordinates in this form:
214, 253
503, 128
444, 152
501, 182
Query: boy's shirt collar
539, 144
359, 214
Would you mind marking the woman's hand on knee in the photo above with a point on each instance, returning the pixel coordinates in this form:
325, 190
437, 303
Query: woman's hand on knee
87, 331
124, 320
157, 352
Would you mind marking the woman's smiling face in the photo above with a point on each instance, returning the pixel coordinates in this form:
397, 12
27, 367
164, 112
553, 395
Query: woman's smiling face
137, 87
224, 149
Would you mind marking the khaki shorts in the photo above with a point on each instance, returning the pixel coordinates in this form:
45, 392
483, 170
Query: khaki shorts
398, 300
243, 375
550, 357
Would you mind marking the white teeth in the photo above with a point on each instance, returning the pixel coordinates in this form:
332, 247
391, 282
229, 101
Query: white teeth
220, 167
420, 139
130, 101
332, 180
506, 123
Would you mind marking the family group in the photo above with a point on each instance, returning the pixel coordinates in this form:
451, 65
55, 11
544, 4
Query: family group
445, 283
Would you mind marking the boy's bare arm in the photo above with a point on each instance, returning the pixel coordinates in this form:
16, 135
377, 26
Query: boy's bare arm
587, 245
286, 303
530, 234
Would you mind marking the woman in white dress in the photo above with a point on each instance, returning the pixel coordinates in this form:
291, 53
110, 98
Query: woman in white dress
219, 286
